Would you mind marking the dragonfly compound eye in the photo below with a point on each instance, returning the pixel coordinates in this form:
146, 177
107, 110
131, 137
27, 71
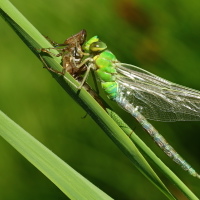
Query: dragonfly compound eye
98, 46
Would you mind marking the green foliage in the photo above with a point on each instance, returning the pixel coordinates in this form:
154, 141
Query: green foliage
158, 36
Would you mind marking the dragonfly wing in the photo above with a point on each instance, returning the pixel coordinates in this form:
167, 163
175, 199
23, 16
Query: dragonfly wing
155, 97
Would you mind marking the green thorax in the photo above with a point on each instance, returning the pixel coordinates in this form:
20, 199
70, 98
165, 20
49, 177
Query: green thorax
103, 64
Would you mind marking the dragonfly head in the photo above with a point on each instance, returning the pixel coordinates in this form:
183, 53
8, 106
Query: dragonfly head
94, 45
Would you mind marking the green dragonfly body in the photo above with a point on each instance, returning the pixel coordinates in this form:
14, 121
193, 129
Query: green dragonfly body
139, 92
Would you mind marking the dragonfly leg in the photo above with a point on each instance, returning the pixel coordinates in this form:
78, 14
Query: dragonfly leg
82, 82
55, 44
49, 68
61, 73
51, 41
47, 50
85, 76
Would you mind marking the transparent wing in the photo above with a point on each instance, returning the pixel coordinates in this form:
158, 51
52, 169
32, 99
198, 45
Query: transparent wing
155, 97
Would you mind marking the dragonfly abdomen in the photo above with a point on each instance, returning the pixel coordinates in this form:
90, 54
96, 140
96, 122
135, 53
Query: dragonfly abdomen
159, 139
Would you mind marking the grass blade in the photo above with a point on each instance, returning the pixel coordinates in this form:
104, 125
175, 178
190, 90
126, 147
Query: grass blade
62, 175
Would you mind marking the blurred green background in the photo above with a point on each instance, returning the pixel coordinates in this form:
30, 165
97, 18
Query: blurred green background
162, 37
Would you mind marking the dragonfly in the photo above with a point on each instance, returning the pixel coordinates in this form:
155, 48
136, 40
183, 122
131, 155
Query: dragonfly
139, 92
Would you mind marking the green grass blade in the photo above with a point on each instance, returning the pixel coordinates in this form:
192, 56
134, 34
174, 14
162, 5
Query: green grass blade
139, 143
62, 175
